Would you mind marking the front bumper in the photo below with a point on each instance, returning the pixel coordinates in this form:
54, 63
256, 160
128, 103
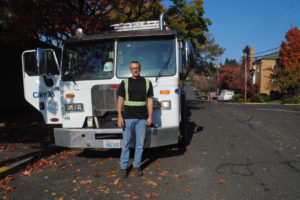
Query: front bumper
112, 137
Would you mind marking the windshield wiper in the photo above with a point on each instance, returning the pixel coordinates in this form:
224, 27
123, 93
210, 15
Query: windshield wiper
164, 67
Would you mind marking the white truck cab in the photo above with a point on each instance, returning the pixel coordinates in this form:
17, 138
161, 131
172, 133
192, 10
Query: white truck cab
80, 91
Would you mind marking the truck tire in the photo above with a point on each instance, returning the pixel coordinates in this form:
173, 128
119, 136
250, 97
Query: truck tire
182, 141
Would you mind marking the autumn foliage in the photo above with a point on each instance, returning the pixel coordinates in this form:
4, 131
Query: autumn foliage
289, 73
57, 20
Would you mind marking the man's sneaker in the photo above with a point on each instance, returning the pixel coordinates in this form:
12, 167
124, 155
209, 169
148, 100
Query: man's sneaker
138, 171
123, 173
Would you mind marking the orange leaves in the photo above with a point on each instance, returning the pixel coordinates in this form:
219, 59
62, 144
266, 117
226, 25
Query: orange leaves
3, 184
150, 182
37, 166
221, 181
164, 173
149, 195
7, 148
82, 182
5, 181
117, 181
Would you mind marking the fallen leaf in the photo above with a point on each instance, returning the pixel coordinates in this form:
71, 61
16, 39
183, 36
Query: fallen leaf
189, 190
117, 181
221, 181
164, 173
8, 189
150, 182
126, 195
239, 185
280, 149
258, 152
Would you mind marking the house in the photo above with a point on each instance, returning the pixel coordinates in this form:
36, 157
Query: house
262, 71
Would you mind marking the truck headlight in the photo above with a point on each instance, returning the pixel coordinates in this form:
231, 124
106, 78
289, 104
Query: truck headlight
75, 107
165, 105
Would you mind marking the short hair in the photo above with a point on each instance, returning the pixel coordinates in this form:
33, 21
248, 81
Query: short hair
136, 62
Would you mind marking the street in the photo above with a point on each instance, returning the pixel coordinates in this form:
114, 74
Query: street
235, 151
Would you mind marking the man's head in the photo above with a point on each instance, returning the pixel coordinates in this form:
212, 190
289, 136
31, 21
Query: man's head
135, 68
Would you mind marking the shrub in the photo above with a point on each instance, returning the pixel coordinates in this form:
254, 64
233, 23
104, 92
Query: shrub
265, 97
257, 99
236, 97
286, 96
275, 95
241, 100
293, 100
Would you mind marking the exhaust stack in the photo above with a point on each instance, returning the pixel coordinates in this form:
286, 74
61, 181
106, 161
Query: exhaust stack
162, 21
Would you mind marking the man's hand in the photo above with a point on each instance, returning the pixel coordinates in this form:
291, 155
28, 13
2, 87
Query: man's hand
149, 121
120, 122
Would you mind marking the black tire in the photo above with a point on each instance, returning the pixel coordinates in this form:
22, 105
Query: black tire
182, 141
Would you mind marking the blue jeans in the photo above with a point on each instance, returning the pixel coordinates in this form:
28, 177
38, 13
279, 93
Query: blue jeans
139, 125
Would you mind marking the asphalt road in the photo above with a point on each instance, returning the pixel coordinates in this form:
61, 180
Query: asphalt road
235, 152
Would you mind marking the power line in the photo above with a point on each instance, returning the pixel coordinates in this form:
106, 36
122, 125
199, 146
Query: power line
291, 10
267, 50
261, 26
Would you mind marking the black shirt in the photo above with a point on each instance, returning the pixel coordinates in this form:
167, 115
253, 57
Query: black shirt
137, 92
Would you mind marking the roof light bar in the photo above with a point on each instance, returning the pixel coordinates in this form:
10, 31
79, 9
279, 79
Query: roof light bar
136, 26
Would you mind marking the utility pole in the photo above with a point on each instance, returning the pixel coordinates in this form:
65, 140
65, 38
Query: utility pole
218, 68
245, 77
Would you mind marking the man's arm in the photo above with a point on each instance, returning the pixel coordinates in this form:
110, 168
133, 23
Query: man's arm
119, 108
150, 111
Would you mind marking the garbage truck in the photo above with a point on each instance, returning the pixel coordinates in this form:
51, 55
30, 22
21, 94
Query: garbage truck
78, 92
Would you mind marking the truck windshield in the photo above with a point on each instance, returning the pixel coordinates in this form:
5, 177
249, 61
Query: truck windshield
155, 55
88, 60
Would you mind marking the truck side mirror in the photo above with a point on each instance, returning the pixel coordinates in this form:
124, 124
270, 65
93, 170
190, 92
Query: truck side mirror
188, 57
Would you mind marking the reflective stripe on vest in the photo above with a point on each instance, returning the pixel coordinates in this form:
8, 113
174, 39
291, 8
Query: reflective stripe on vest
134, 103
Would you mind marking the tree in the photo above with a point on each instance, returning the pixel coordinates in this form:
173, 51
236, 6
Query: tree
55, 21
285, 77
231, 62
205, 83
233, 78
289, 71
186, 17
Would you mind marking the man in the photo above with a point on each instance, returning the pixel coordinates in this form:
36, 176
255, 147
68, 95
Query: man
135, 94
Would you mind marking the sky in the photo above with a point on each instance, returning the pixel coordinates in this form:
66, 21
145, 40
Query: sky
261, 24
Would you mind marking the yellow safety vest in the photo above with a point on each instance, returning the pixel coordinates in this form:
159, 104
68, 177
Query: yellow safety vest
134, 103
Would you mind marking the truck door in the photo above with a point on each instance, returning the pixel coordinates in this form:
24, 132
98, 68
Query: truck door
41, 82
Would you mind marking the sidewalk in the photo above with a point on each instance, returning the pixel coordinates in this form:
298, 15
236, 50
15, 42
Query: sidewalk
23, 138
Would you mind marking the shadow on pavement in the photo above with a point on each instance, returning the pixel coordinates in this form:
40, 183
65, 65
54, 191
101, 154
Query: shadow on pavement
152, 154
24, 126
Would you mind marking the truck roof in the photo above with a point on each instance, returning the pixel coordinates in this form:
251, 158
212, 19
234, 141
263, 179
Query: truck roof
124, 34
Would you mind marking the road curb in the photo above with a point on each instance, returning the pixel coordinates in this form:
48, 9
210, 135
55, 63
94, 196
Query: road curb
19, 164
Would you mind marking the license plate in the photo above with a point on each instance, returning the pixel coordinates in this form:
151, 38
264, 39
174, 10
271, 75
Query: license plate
111, 143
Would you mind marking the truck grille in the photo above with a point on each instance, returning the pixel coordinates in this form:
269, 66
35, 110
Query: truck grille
104, 99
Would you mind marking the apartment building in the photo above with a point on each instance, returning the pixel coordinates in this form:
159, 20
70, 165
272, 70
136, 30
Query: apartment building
262, 67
